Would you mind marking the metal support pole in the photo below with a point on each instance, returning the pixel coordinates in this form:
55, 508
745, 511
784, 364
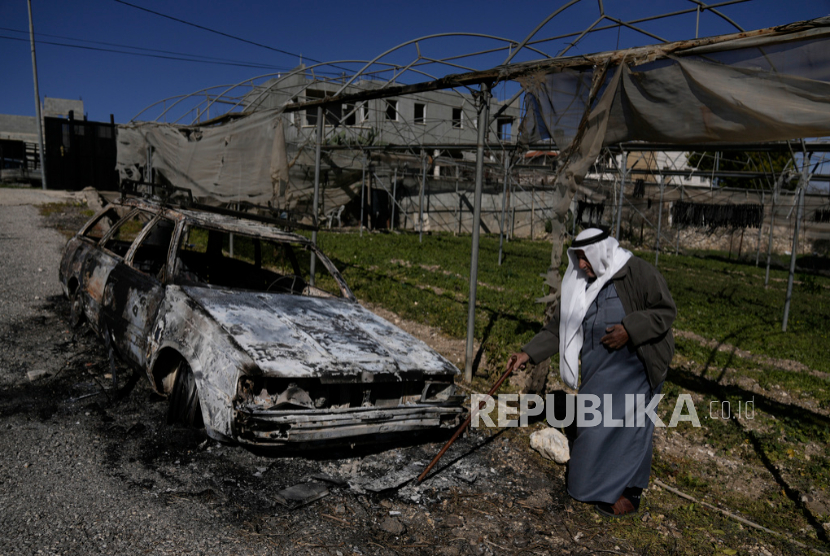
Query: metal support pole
41, 152
503, 206
622, 193
771, 228
362, 194
421, 198
483, 126
795, 251
697, 21
532, 209
317, 153
148, 164
659, 222
677, 225
394, 198
760, 228
573, 215
460, 206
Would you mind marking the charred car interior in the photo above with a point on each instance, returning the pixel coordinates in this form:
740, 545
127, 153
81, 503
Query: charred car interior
249, 330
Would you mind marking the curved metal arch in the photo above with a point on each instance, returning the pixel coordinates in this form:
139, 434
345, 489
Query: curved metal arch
427, 37
229, 88
306, 68
180, 97
538, 28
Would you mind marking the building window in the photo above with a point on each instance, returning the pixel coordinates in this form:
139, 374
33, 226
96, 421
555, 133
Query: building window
349, 114
391, 109
504, 129
311, 113
457, 118
420, 113
364, 111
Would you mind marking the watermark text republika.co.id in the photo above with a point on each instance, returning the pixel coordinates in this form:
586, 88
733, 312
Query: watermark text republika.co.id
589, 410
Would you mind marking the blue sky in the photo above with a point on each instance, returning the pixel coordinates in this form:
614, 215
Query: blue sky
123, 84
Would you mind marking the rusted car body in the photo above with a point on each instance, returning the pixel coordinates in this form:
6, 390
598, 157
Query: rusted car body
226, 318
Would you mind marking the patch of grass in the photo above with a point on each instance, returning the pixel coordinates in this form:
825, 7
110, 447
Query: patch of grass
67, 218
727, 301
429, 282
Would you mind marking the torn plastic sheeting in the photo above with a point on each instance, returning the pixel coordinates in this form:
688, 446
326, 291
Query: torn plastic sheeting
775, 89
244, 160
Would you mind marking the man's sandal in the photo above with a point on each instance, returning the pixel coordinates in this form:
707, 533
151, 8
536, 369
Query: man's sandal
622, 507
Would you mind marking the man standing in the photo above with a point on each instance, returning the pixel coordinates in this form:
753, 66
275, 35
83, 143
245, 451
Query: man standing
615, 315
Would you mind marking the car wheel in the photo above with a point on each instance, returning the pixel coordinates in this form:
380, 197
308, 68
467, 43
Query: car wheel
184, 406
76, 309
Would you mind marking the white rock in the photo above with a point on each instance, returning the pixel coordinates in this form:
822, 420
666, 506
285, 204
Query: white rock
552, 444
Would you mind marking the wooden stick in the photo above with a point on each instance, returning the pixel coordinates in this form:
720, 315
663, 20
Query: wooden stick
465, 424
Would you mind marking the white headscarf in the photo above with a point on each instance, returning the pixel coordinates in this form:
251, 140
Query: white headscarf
578, 292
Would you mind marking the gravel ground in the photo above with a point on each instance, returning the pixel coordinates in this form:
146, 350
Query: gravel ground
89, 469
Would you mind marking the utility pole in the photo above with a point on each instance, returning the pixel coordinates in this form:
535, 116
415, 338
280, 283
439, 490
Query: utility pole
41, 151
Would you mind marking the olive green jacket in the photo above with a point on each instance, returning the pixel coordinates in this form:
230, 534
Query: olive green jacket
649, 314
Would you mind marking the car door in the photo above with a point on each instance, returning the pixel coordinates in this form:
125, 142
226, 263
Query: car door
95, 263
135, 289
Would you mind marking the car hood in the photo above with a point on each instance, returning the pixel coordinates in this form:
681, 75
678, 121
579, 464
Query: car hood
295, 336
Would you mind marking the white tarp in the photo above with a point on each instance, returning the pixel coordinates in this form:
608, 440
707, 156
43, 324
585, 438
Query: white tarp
244, 160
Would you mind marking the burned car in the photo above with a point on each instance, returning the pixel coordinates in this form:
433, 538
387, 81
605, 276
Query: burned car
249, 330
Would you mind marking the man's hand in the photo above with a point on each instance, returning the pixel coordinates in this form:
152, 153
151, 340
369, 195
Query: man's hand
616, 338
517, 361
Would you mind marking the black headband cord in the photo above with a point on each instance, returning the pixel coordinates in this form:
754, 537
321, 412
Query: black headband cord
589, 240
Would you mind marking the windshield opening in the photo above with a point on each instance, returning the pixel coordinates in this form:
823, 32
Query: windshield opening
230, 260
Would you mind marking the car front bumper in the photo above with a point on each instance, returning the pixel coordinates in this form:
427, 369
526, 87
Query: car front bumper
283, 427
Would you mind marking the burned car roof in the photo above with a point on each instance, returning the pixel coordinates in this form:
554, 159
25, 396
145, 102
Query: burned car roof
249, 330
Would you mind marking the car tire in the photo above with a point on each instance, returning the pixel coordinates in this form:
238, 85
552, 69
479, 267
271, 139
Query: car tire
76, 309
184, 406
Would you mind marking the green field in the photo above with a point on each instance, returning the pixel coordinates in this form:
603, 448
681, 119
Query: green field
717, 299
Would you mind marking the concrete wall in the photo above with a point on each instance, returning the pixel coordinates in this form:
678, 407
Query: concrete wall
24, 128
60, 107
18, 128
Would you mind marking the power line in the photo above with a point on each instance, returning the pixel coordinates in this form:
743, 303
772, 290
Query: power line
193, 56
214, 31
240, 64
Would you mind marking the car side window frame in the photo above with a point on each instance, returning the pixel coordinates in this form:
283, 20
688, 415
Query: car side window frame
142, 236
82, 233
102, 243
